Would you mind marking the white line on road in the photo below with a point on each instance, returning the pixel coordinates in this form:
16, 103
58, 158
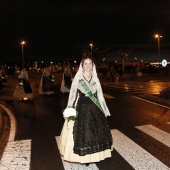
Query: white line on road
12, 125
16, 155
135, 155
107, 96
151, 102
156, 133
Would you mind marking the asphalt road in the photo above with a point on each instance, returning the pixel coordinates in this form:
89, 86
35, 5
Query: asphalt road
40, 121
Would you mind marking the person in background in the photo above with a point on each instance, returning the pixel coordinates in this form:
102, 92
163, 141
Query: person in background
66, 80
3, 75
89, 138
112, 72
47, 82
23, 89
1, 85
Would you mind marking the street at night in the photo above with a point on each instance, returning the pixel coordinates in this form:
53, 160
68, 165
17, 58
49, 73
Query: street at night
139, 123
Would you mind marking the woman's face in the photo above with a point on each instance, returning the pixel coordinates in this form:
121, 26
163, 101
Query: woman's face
87, 65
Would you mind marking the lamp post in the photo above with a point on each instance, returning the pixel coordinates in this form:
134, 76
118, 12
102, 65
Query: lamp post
23, 43
158, 37
91, 46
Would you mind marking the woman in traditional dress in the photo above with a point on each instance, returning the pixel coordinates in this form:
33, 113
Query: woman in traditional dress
23, 90
46, 83
89, 139
66, 80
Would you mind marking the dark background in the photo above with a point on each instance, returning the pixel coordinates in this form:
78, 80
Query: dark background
53, 30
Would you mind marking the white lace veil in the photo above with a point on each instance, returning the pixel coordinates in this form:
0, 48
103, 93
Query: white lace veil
74, 86
23, 74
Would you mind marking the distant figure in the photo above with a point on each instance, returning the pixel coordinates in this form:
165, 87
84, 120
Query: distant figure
1, 86
120, 72
23, 89
104, 71
3, 75
47, 82
116, 77
112, 72
66, 80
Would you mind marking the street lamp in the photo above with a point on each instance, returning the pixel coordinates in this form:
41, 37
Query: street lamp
23, 43
158, 37
91, 46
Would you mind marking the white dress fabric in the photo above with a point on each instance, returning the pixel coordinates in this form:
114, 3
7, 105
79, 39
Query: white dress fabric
64, 87
66, 144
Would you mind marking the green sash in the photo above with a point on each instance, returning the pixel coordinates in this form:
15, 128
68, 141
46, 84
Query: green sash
90, 94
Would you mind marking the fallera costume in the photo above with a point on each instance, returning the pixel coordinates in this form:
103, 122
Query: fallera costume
89, 139
23, 88
46, 83
66, 81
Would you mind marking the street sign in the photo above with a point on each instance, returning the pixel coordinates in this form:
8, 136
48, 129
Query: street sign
164, 63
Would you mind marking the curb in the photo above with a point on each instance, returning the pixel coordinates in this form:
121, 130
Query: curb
13, 125
1, 124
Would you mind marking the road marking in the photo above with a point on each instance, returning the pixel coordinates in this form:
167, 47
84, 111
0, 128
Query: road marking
17, 155
151, 102
135, 155
107, 96
69, 166
12, 121
156, 133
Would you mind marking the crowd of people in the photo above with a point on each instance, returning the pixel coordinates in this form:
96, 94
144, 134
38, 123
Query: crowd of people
23, 90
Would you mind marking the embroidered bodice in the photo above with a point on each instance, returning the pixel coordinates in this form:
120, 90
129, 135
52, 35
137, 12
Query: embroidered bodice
92, 85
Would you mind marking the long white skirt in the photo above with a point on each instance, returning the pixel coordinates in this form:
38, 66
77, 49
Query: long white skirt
66, 144
63, 88
20, 93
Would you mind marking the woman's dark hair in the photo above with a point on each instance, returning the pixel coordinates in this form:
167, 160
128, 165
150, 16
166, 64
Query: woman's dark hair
87, 55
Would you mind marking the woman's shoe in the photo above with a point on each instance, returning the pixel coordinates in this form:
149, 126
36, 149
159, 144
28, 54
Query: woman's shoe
87, 164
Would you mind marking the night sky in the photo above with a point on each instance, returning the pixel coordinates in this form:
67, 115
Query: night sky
55, 30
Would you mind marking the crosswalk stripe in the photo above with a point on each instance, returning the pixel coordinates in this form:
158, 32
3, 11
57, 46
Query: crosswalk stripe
151, 102
135, 155
156, 133
108, 96
17, 155
75, 166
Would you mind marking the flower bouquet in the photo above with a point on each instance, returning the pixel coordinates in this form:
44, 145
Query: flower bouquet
70, 114
21, 83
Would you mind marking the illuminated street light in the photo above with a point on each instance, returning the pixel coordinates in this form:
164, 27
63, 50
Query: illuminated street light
91, 46
158, 37
23, 43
